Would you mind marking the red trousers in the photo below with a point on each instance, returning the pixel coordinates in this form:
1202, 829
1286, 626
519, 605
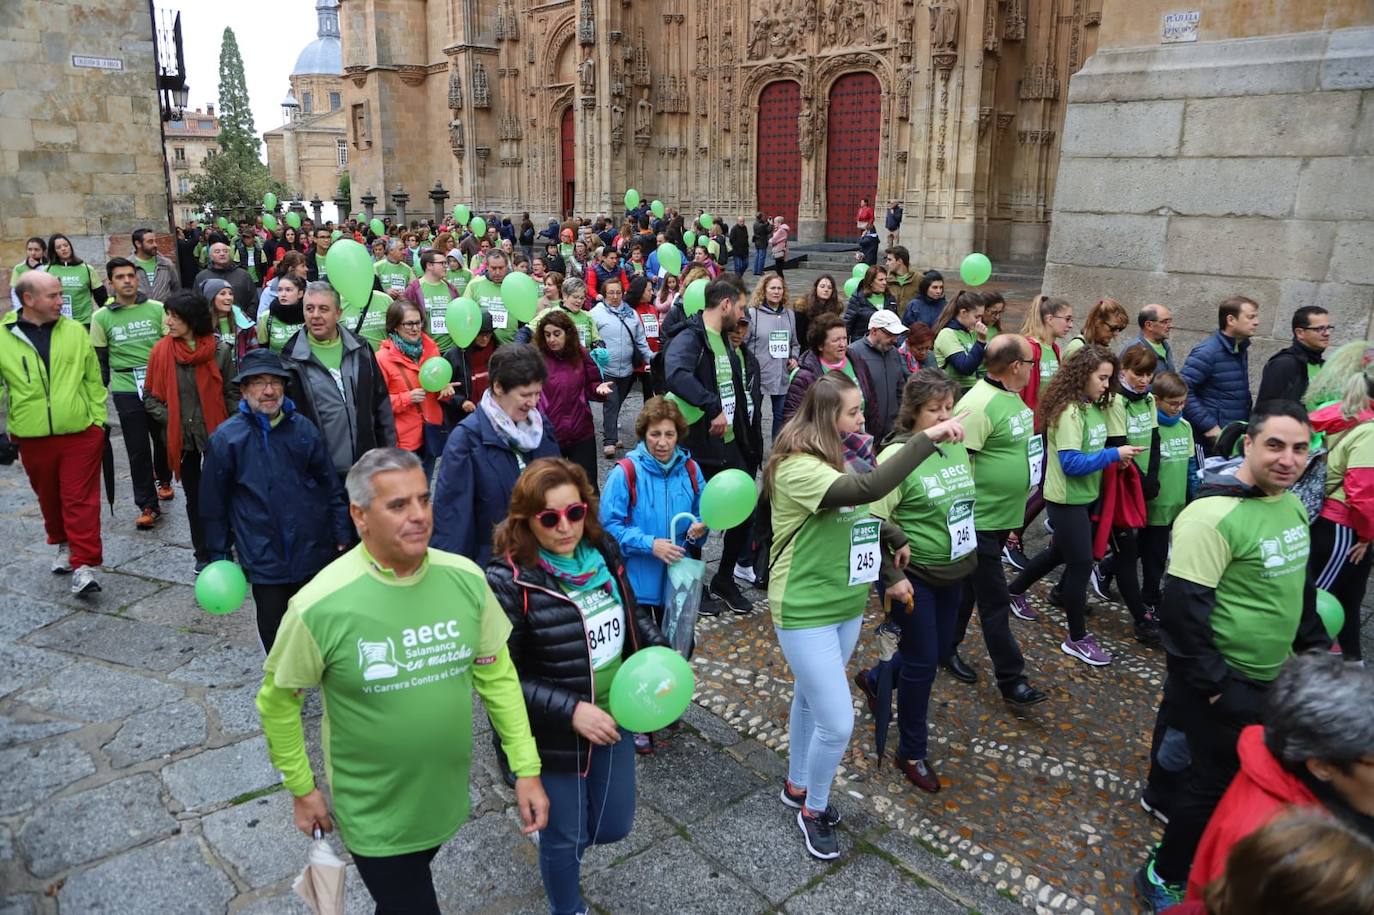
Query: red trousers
64, 471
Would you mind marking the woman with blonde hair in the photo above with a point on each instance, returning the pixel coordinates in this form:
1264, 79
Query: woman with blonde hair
773, 341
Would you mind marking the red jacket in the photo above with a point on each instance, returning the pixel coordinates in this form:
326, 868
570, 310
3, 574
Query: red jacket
403, 376
1030, 394
1261, 790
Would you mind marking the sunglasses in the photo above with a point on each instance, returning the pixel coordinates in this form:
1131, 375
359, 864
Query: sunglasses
550, 517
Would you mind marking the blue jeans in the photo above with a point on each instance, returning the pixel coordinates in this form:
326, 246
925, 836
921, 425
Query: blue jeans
759, 257
822, 712
927, 636
778, 401
594, 809
739, 263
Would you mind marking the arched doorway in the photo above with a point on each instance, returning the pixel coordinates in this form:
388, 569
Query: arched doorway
851, 151
567, 162
778, 177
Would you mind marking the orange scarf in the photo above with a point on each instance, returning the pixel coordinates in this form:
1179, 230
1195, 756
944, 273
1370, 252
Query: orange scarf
162, 384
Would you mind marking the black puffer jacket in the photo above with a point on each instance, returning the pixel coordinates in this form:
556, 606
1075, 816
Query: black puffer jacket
549, 648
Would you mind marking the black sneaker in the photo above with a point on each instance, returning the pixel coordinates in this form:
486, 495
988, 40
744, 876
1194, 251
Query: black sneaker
796, 798
1012, 556
819, 833
727, 592
1147, 631
709, 606
1102, 584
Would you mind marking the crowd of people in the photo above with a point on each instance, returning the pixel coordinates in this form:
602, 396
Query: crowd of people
405, 545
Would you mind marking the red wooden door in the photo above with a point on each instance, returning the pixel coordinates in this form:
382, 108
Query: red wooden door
778, 178
851, 152
568, 162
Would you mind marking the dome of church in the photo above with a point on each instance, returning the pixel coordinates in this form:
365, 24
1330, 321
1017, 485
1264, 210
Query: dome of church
324, 55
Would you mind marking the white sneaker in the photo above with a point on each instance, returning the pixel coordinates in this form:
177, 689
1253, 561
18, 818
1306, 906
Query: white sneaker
84, 581
745, 574
62, 562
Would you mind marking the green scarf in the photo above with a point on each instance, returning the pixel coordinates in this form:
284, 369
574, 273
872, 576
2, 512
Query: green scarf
585, 569
411, 350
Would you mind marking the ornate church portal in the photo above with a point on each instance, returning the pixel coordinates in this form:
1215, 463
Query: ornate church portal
795, 107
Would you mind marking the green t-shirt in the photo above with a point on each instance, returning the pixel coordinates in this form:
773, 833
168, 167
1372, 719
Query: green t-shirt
274, 332
1081, 427
436, 297
488, 295
1175, 451
1049, 364
1159, 349
129, 332
1253, 551
331, 354
810, 586
1008, 457
725, 381
948, 342
19, 270
393, 659
459, 279
1136, 420
373, 323
1074, 345
149, 266
934, 506
393, 276
603, 620
77, 284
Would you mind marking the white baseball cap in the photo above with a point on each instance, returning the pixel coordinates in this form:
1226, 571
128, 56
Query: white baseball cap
883, 319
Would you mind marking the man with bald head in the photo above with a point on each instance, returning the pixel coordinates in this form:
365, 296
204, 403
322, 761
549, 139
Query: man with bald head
1156, 321
57, 418
222, 267
1008, 459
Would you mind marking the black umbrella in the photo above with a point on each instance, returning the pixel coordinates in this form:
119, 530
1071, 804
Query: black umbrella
107, 468
885, 674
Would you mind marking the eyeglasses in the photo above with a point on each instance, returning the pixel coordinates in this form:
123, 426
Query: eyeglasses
1068, 319
1324, 329
263, 381
550, 517
413, 325
1116, 328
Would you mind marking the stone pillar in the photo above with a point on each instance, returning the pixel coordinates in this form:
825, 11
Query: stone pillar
440, 197
317, 207
400, 198
369, 202
342, 203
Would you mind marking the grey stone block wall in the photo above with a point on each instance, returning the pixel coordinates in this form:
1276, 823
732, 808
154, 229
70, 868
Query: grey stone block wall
1191, 172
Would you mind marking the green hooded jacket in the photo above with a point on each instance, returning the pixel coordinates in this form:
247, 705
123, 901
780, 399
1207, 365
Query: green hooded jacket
66, 399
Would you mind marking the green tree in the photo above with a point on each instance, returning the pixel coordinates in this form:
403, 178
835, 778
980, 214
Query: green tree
237, 136
233, 185
345, 186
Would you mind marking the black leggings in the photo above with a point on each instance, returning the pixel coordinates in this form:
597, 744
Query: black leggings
271, 601
1123, 565
583, 454
1345, 580
400, 884
1071, 545
1153, 543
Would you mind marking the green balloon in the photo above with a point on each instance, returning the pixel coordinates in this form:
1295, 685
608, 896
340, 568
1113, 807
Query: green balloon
336, 235
435, 373
631, 199
689, 238
269, 222
651, 689
850, 285
222, 222
694, 296
657, 208
350, 269
461, 214
233, 230
520, 294
975, 269
478, 225
1330, 610
464, 317
377, 227
689, 412
859, 271
269, 200
728, 499
293, 219
670, 258
706, 220
221, 587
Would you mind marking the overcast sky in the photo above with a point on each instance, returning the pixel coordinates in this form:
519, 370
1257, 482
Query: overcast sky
271, 33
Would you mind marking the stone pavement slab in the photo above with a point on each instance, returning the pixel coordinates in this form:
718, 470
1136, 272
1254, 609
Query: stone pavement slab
872, 885
94, 824
170, 876
734, 837
233, 709
34, 772
86, 691
17, 904
672, 877
24, 613
690, 780
120, 641
222, 665
259, 839
650, 828
218, 776
14, 731
175, 564
487, 865
158, 732
22, 666
35, 578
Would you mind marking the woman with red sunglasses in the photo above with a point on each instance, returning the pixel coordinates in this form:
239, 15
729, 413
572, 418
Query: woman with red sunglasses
574, 620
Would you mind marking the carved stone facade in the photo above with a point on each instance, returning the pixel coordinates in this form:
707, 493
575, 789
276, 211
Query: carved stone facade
665, 98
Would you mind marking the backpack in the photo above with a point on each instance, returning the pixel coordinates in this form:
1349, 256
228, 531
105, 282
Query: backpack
628, 465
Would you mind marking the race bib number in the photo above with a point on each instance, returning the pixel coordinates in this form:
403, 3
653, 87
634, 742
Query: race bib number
140, 375
397, 287
727, 404
438, 322
650, 326
251, 262
779, 344
603, 619
961, 535
66, 305
1035, 455
500, 318
863, 552
582, 334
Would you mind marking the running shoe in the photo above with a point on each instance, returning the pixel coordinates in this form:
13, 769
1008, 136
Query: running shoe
820, 837
1012, 556
147, 519
84, 581
796, 798
745, 574
1086, 650
1157, 894
727, 592
1147, 630
1102, 584
1023, 610
1153, 807
62, 562
1049, 528
165, 492
864, 681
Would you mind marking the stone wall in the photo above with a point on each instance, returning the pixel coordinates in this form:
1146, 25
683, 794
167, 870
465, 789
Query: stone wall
1193, 171
80, 148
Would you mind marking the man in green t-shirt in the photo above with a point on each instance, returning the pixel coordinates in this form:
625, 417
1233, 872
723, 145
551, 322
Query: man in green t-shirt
485, 290
123, 332
1238, 601
158, 277
396, 636
393, 272
431, 293
999, 432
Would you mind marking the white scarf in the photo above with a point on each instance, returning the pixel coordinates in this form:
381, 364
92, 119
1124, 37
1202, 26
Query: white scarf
524, 436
